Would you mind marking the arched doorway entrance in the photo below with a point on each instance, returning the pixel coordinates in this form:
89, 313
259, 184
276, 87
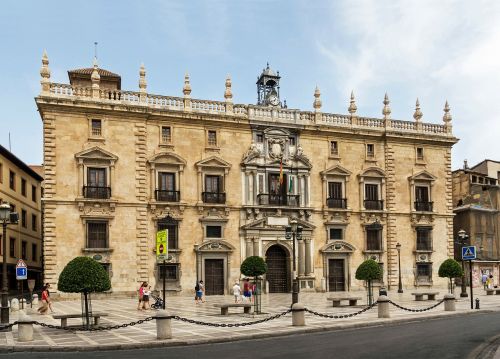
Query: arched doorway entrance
277, 270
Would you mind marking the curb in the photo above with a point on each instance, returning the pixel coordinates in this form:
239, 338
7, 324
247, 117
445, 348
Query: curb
245, 337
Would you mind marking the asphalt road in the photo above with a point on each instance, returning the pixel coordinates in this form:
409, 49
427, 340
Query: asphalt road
454, 337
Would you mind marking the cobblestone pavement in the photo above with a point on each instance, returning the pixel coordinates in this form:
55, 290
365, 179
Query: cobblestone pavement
122, 311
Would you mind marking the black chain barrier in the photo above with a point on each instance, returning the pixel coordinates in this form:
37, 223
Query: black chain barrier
416, 310
7, 326
340, 316
231, 325
93, 329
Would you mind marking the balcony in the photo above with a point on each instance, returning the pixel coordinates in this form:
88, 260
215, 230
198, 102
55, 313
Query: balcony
336, 203
372, 204
167, 196
292, 200
96, 192
423, 206
213, 197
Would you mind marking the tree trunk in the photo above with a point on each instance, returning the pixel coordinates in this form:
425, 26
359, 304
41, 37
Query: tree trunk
369, 292
87, 319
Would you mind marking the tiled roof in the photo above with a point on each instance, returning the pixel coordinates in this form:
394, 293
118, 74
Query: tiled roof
88, 71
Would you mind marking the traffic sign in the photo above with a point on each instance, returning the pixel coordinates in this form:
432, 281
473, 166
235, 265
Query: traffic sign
469, 253
161, 245
21, 270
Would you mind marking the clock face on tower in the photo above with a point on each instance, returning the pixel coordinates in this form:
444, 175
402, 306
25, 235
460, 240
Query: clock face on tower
273, 100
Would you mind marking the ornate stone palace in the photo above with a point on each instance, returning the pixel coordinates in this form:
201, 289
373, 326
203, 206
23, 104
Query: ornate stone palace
226, 179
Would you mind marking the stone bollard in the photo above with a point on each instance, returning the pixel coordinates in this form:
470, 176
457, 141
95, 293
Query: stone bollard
449, 303
163, 325
14, 305
35, 299
383, 306
25, 328
298, 315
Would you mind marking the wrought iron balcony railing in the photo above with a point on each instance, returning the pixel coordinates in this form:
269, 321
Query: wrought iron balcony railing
214, 197
292, 200
96, 192
374, 204
167, 196
423, 206
336, 203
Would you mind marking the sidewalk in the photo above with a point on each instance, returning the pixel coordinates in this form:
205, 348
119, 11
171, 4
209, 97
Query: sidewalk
122, 311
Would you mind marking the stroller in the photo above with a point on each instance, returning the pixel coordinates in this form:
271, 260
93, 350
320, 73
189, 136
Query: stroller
158, 304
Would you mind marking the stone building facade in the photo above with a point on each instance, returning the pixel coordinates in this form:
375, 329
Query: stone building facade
20, 186
226, 179
476, 202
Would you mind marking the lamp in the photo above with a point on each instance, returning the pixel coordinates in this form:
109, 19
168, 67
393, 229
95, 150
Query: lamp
4, 219
400, 284
294, 231
4, 212
462, 240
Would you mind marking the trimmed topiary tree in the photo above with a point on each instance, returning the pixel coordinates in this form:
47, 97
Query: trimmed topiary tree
369, 270
254, 266
450, 268
84, 275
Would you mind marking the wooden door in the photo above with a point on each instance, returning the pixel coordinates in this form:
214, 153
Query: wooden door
277, 270
336, 275
214, 276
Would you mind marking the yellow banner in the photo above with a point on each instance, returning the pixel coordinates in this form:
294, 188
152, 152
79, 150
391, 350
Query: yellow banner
161, 245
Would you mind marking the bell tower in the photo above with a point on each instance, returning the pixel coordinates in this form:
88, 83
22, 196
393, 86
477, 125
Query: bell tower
268, 88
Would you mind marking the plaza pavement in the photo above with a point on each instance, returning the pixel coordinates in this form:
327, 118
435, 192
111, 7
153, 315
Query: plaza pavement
144, 335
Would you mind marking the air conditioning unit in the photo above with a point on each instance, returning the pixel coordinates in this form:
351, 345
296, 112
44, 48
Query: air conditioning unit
422, 257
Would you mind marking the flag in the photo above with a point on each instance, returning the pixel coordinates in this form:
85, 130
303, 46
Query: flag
290, 184
281, 173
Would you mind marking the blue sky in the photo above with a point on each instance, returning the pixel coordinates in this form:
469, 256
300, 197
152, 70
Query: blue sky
434, 50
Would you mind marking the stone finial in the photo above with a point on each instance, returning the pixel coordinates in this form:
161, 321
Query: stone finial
386, 111
142, 79
352, 106
466, 165
317, 100
228, 94
186, 90
45, 73
95, 77
418, 114
447, 114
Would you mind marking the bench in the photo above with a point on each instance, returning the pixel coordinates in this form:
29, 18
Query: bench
490, 291
336, 300
224, 308
420, 296
64, 317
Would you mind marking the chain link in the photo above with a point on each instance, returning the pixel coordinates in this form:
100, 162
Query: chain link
7, 326
95, 329
340, 316
231, 325
416, 310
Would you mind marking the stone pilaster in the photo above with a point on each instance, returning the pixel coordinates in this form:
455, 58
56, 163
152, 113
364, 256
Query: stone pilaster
141, 226
390, 228
449, 202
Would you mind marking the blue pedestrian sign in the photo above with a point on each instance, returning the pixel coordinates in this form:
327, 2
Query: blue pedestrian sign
468, 253
21, 270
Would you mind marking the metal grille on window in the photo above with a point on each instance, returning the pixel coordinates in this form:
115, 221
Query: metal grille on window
96, 128
212, 138
373, 240
336, 233
170, 270
97, 233
172, 226
166, 135
424, 239
424, 271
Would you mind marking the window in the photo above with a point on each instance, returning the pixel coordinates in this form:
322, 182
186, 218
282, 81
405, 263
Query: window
166, 187
214, 231
12, 207
373, 239
336, 234
292, 141
34, 225
33, 193
370, 150
424, 239
96, 128
260, 138
107, 268
213, 190
422, 202
420, 153
334, 149
23, 218
424, 271
166, 134
23, 187
12, 180
97, 234
371, 197
169, 271
34, 254
212, 138
335, 190
96, 184
172, 226
24, 245
12, 247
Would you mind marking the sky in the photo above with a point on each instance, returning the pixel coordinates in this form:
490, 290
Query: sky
433, 50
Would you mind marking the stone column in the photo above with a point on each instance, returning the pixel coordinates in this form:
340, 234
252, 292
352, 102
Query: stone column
81, 175
200, 185
255, 187
301, 262
308, 256
249, 190
180, 184
324, 188
249, 247
152, 179
111, 177
361, 194
256, 246
301, 189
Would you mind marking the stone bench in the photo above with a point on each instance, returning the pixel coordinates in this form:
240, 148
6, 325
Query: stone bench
336, 300
64, 317
224, 308
420, 296
490, 291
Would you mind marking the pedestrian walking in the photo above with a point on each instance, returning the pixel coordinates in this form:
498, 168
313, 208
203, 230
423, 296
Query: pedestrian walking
247, 294
141, 296
484, 280
43, 309
145, 297
490, 281
236, 292
199, 288
49, 301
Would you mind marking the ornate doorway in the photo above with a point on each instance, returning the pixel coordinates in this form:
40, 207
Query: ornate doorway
336, 275
277, 270
214, 276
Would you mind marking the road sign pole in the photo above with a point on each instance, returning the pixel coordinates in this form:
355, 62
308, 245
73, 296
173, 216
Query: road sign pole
470, 280
164, 276
22, 295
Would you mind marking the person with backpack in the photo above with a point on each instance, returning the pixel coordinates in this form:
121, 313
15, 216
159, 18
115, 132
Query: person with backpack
199, 292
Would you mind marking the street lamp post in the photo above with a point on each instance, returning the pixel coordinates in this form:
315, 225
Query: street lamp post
293, 231
462, 240
6, 217
400, 284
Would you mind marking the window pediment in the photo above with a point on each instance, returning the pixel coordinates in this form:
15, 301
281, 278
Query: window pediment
213, 162
422, 176
336, 171
373, 172
96, 153
338, 247
167, 158
216, 245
